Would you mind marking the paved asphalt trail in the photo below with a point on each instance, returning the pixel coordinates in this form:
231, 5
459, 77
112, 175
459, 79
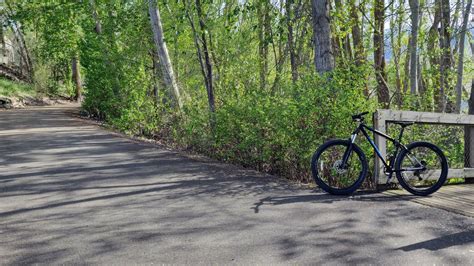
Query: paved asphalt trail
73, 193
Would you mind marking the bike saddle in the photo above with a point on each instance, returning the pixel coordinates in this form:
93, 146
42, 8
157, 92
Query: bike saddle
404, 124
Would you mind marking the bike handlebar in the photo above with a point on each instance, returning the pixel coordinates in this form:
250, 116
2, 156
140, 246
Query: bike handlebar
359, 116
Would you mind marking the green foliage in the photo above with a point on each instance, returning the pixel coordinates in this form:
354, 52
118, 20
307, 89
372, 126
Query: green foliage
279, 133
10, 88
43, 82
53, 35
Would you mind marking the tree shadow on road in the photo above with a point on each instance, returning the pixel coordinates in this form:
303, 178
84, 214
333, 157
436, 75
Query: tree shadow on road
446, 241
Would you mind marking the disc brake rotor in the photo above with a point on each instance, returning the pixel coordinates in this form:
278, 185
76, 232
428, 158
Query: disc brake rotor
338, 167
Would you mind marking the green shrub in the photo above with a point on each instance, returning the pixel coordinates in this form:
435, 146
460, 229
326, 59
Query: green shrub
279, 132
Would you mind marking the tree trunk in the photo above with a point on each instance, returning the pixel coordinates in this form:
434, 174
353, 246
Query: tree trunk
19, 37
158, 82
345, 41
433, 35
461, 56
198, 46
414, 7
379, 57
208, 64
455, 25
300, 42
421, 83
445, 62
24, 52
406, 70
395, 40
95, 15
202, 54
291, 47
419, 73
359, 53
323, 53
162, 52
263, 40
76, 77
2, 39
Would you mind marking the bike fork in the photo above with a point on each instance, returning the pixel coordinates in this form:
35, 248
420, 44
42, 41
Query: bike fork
348, 152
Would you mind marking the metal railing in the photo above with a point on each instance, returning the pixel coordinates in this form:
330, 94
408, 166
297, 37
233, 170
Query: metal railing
382, 118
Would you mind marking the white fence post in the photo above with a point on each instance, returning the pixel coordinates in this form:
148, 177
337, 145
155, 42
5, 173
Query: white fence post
380, 125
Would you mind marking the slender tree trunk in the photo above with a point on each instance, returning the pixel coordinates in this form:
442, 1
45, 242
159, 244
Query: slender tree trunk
279, 58
455, 25
76, 77
156, 81
280, 62
323, 53
2, 39
421, 83
379, 57
344, 40
359, 53
414, 7
445, 62
214, 57
95, 15
406, 70
18, 34
433, 55
300, 41
199, 52
419, 73
336, 41
24, 52
395, 40
162, 52
358, 37
461, 56
291, 47
207, 60
263, 40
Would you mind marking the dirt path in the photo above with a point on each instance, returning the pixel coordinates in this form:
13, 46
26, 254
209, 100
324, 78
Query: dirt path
71, 192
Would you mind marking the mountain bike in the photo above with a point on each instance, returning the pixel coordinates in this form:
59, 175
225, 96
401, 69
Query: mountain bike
339, 166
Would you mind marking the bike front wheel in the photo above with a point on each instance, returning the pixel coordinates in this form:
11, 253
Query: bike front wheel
422, 168
329, 173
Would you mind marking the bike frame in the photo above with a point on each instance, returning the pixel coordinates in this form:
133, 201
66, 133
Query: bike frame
389, 170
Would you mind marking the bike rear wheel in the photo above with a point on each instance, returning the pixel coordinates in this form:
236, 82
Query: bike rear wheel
330, 175
431, 177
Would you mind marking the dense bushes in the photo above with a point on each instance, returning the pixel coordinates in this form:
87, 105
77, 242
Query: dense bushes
276, 132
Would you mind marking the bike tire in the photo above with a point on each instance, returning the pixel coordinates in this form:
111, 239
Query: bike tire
337, 191
443, 175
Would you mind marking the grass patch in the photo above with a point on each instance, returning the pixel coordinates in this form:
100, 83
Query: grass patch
453, 181
10, 88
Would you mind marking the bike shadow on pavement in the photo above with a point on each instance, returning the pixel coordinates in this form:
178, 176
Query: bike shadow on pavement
320, 197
